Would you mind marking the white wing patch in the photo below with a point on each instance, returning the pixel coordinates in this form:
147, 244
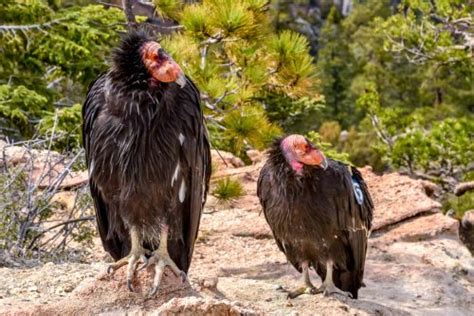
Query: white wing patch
91, 167
182, 191
175, 174
181, 138
359, 195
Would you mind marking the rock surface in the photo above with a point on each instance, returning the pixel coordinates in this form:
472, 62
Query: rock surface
419, 228
397, 197
415, 265
223, 159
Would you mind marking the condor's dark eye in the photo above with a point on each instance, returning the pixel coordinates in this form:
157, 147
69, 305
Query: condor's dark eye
161, 53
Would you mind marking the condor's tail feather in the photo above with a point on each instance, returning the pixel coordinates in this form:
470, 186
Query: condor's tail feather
351, 278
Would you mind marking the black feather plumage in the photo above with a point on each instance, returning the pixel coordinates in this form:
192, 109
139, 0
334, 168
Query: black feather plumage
316, 217
148, 155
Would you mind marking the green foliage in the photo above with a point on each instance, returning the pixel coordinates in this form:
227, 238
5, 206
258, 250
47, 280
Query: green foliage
446, 145
248, 124
64, 126
169, 8
354, 147
363, 148
407, 71
336, 66
18, 107
293, 114
252, 79
391, 86
50, 53
327, 149
459, 204
421, 142
330, 131
227, 189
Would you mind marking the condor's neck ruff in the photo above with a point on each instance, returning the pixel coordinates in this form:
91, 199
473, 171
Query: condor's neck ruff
287, 150
128, 69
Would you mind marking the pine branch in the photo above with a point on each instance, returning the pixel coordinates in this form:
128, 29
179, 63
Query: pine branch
29, 27
381, 133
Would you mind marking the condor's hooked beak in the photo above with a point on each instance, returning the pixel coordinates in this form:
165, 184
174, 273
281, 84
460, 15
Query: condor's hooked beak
324, 164
315, 158
161, 66
169, 71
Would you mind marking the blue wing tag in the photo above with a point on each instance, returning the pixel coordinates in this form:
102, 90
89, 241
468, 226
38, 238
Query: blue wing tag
359, 195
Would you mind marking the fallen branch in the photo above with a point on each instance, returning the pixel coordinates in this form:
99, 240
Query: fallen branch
87, 218
13, 28
463, 187
235, 172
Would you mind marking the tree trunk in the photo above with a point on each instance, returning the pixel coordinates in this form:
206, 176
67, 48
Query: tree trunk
127, 8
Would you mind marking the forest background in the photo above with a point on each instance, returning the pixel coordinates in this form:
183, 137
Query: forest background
386, 83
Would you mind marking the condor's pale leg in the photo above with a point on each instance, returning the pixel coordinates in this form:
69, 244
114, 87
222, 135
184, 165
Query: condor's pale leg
328, 287
161, 259
136, 253
308, 287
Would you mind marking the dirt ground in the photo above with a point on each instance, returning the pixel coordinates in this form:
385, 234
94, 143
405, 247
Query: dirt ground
416, 265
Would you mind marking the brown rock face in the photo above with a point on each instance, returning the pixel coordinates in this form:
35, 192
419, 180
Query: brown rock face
415, 265
397, 197
419, 228
45, 168
199, 306
223, 160
109, 293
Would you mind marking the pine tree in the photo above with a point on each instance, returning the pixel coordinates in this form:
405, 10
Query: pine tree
336, 67
50, 53
241, 65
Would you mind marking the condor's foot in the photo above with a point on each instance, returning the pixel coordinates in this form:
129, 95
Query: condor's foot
136, 254
328, 289
308, 287
302, 290
160, 258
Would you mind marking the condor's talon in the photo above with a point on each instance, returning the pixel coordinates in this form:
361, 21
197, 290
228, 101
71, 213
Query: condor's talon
136, 254
327, 290
116, 265
302, 290
130, 286
328, 287
308, 287
161, 259
145, 263
184, 277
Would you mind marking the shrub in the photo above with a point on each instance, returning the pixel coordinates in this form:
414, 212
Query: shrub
227, 189
30, 226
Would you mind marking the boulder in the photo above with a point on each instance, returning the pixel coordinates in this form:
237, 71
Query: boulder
201, 306
418, 228
45, 168
224, 160
255, 156
397, 197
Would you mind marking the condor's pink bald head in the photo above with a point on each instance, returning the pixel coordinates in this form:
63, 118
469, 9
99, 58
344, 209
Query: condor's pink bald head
298, 151
160, 65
